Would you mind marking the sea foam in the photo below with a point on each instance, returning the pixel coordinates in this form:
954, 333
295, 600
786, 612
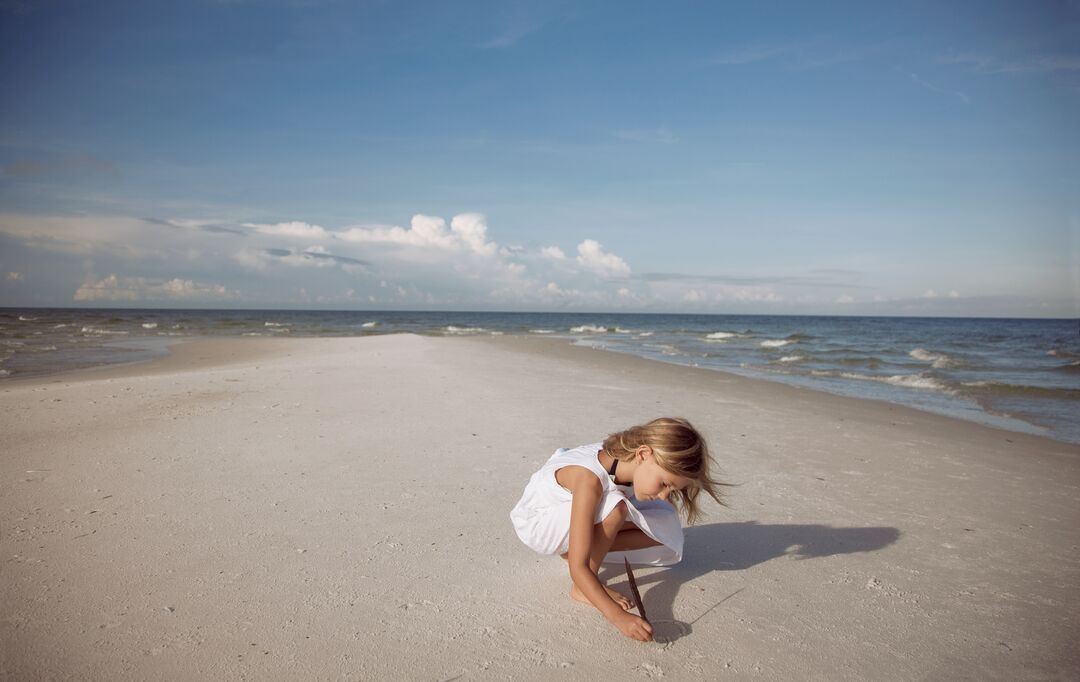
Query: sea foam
775, 343
453, 329
936, 360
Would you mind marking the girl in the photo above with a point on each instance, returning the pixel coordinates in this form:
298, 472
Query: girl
606, 501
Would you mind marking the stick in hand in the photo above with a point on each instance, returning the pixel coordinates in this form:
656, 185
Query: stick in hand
634, 591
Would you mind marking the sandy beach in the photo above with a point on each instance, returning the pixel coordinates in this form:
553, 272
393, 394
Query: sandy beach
337, 508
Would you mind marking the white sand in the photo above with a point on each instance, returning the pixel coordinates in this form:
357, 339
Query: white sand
338, 508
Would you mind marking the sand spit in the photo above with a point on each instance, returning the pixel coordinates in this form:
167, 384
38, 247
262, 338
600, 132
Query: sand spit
337, 508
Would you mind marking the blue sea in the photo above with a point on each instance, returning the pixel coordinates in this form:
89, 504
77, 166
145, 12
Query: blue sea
1022, 375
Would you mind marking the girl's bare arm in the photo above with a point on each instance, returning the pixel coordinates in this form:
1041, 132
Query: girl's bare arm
587, 491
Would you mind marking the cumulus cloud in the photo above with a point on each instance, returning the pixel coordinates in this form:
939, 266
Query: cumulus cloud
591, 255
295, 229
132, 289
844, 299
14, 277
467, 232
553, 252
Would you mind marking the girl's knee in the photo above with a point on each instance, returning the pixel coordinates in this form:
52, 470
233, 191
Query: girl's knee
617, 515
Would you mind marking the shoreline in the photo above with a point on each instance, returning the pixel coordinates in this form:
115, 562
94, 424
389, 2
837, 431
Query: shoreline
339, 507
185, 352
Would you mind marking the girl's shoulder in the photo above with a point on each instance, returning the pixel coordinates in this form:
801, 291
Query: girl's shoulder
582, 456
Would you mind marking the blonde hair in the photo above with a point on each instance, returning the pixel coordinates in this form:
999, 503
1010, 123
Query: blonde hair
680, 450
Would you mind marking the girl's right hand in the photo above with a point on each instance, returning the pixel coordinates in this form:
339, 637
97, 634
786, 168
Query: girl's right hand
633, 626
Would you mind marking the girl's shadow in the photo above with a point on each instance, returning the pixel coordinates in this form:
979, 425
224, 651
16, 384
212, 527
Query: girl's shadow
737, 546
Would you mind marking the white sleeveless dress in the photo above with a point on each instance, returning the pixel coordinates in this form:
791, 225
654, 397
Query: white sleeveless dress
542, 515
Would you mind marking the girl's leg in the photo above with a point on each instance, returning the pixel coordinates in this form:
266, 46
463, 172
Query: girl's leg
628, 538
604, 534
631, 538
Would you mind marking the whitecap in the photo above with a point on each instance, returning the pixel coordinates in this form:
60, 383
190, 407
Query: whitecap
149, 325
775, 343
1061, 353
905, 380
792, 358
620, 330
643, 335
541, 331
273, 324
368, 325
26, 319
451, 329
588, 328
937, 360
95, 330
720, 336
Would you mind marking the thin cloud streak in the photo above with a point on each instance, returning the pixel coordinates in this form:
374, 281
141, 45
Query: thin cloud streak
933, 88
779, 280
984, 63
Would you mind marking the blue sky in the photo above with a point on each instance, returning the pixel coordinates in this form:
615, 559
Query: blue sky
822, 158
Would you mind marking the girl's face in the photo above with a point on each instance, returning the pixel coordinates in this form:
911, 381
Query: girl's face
653, 482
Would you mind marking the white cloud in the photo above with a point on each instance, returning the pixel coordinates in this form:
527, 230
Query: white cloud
113, 288
929, 293
468, 231
591, 255
954, 294
295, 229
471, 230
748, 294
14, 277
553, 252
844, 299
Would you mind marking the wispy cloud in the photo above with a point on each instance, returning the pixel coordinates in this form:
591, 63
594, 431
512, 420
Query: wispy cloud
200, 225
512, 35
836, 279
984, 63
141, 289
751, 54
922, 82
805, 55
660, 135
517, 21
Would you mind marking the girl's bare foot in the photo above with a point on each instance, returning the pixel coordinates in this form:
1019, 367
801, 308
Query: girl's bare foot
622, 601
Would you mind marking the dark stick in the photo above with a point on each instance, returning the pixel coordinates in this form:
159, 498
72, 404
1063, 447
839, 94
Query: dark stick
634, 591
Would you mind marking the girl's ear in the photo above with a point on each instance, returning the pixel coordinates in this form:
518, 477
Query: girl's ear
643, 451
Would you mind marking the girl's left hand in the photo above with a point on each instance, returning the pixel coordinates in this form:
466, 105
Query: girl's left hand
633, 626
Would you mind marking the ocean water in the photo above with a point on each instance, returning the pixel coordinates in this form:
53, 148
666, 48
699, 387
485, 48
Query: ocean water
1022, 375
